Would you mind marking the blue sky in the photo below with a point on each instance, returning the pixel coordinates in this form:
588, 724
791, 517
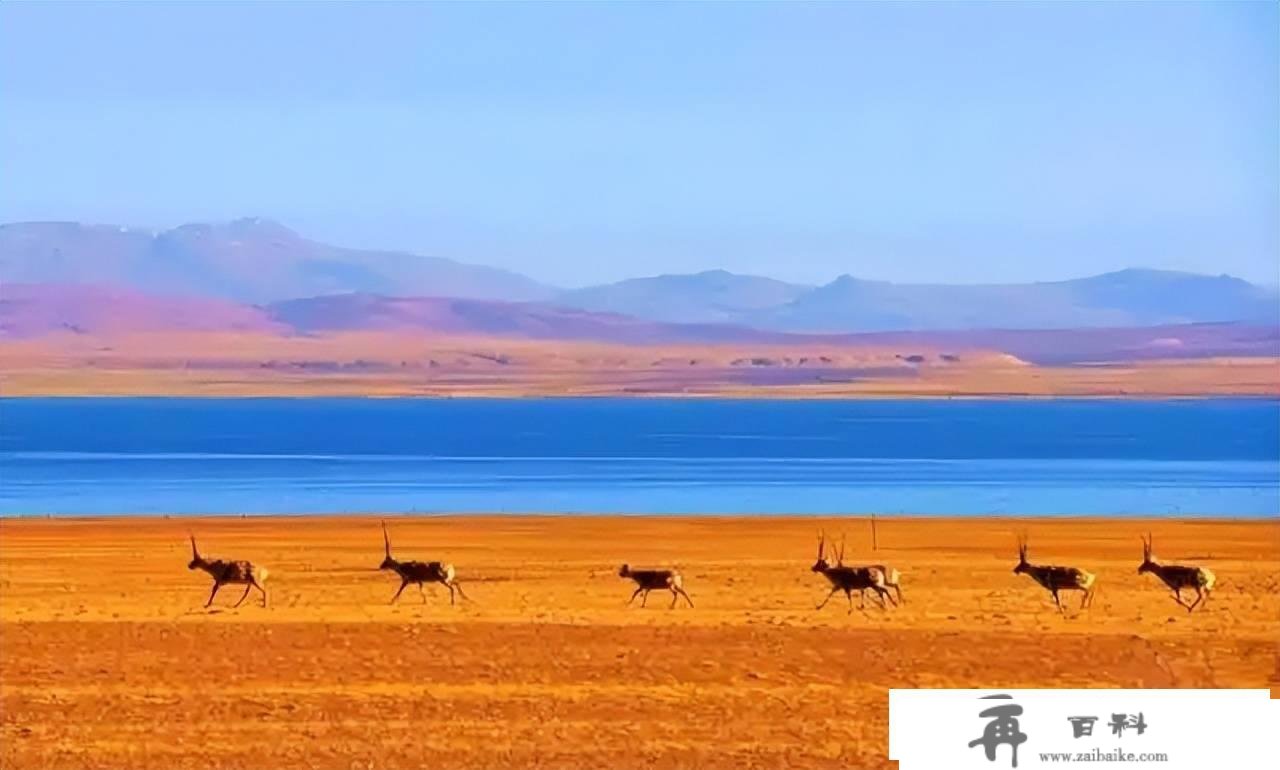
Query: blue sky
581, 143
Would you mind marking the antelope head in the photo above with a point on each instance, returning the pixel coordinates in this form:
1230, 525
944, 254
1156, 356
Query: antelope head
625, 571
196, 561
821, 564
1023, 565
1148, 561
387, 562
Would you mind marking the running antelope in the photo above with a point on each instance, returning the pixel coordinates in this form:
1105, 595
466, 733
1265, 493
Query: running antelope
419, 572
223, 572
892, 578
655, 579
1178, 576
1056, 578
850, 579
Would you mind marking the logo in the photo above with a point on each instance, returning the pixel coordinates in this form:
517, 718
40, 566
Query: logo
1105, 728
1002, 729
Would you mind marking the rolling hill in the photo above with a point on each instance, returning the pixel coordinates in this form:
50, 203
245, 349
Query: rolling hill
518, 320
715, 296
35, 311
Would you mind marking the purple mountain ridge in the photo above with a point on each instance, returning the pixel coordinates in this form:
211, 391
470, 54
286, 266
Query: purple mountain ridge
258, 261
35, 311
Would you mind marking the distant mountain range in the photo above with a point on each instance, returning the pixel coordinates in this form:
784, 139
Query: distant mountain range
33, 312
248, 260
261, 262
1125, 298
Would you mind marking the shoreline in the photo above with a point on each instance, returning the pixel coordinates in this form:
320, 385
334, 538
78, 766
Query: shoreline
481, 368
753, 395
896, 516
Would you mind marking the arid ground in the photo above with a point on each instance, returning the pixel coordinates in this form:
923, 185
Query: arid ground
400, 364
109, 660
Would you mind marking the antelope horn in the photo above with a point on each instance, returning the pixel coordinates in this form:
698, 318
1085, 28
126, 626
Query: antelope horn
386, 539
194, 553
822, 539
840, 555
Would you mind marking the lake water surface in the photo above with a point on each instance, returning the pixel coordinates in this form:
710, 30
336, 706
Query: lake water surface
968, 457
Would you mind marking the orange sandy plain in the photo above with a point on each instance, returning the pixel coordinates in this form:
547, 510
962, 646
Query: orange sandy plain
110, 661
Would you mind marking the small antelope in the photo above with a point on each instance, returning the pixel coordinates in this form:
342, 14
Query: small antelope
1178, 577
419, 572
223, 572
655, 579
892, 578
850, 579
1056, 578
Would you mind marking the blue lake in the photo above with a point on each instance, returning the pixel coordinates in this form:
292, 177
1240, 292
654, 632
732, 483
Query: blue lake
969, 457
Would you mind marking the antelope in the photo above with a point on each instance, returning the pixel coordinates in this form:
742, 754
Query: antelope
849, 579
892, 578
655, 579
1178, 576
419, 572
1056, 578
223, 572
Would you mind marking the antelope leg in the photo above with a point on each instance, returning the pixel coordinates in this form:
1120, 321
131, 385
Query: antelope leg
423, 593
674, 598
644, 598
633, 596
1057, 602
403, 583
213, 593
243, 596
461, 593
450, 587
686, 597
260, 587
898, 591
824, 601
848, 594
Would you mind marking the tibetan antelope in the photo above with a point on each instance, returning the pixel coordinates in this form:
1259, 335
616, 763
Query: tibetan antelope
419, 572
1056, 578
1178, 576
892, 578
223, 572
655, 579
850, 579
